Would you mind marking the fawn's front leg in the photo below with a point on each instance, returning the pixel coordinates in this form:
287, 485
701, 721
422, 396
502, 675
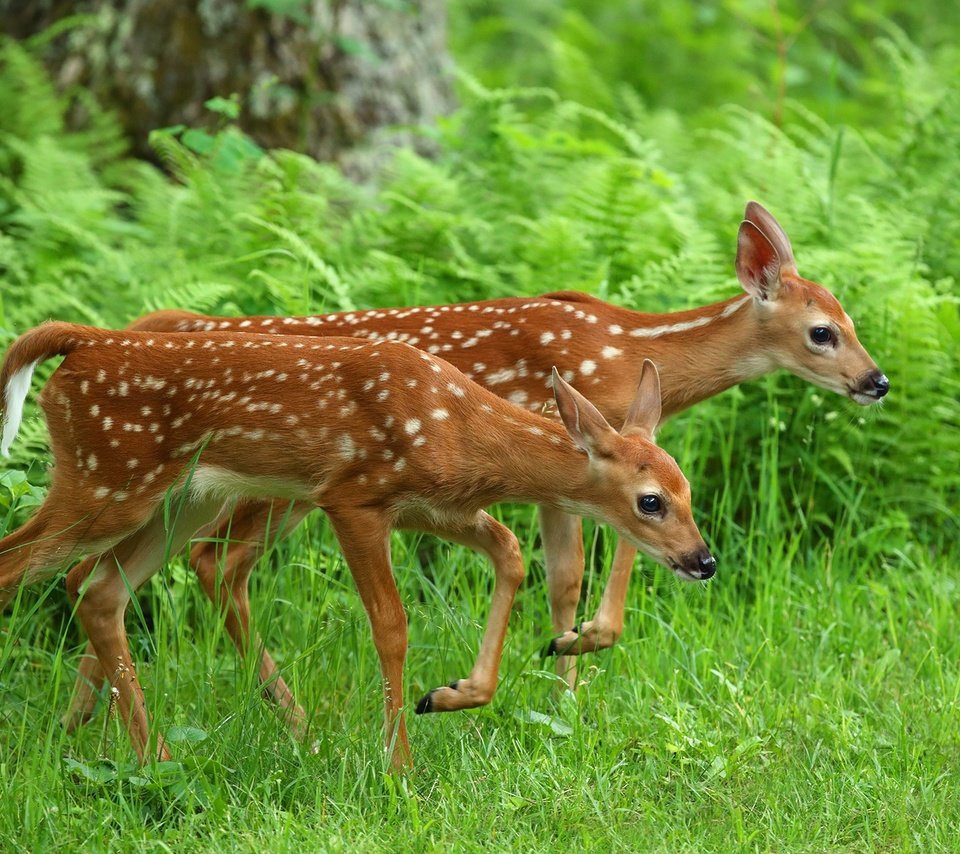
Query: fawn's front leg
562, 538
364, 537
604, 630
485, 535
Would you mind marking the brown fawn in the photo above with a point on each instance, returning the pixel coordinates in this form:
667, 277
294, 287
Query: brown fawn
510, 346
152, 433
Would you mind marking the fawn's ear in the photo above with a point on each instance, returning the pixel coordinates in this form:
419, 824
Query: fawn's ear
758, 264
773, 231
587, 427
643, 416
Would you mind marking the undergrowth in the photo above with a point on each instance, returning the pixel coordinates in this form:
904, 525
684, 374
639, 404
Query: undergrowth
806, 698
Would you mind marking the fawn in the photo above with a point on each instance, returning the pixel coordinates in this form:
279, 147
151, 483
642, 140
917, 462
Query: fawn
510, 346
379, 435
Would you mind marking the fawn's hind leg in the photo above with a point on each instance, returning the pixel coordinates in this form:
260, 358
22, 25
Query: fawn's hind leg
240, 542
236, 543
55, 536
102, 600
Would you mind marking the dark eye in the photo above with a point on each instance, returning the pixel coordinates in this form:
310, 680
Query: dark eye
821, 335
649, 503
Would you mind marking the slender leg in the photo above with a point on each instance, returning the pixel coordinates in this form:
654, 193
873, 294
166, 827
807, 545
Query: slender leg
604, 630
44, 544
563, 556
485, 535
90, 676
102, 604
62, 530
364, 537
241, 542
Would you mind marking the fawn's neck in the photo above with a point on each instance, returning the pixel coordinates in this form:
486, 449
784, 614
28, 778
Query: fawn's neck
700, 352
526, 458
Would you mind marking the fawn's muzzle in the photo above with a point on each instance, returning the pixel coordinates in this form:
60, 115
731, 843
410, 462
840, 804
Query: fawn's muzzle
697, 566
881, 384
874, 385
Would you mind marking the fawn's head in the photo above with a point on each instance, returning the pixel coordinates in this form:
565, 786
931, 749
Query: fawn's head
637, 487
807, 331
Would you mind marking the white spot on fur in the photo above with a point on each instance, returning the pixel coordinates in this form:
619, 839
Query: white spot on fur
439, 414
587, 367
611, 352
345, 446
412, 426
546, 338
504, 375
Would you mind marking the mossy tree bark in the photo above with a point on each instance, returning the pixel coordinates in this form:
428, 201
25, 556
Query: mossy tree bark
327, 77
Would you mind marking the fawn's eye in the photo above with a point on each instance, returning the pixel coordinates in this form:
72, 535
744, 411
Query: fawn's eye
821, 335
649, 504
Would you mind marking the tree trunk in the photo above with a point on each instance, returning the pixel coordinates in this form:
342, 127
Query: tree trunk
326, 77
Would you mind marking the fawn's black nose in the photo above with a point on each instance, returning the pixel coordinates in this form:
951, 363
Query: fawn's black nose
708, 565
881, 385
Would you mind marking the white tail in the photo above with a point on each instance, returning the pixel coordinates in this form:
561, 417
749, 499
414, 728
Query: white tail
14, 396
379, 435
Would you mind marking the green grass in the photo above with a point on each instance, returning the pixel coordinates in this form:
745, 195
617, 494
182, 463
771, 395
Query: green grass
799, 700
806, 699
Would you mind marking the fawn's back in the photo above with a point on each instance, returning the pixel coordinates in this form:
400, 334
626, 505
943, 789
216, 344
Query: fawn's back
264, 415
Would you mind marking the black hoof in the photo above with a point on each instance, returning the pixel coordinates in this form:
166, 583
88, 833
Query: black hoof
553, 648
425, 704
454, 684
